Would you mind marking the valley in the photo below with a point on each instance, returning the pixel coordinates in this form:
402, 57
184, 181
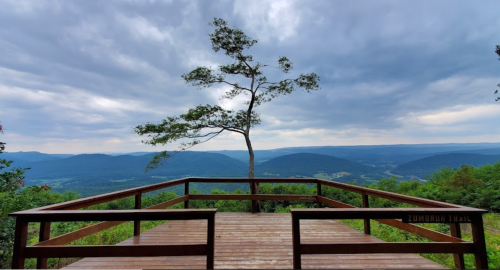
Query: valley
91, 174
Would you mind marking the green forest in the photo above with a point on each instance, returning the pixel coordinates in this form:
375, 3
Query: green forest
469, 186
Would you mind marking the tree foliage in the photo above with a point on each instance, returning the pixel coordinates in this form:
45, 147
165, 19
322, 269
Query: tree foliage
15, 198
469, 186
244, 76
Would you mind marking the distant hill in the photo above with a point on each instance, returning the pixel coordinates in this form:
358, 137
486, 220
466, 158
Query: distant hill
378, 155
310, 165
200, 164
116, 167
411, 157
365, 154
488, 151
420, 168
91, 174
32, 156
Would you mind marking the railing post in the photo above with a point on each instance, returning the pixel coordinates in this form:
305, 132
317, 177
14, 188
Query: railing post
318, 194
479, 242
20, 238
186, 192
297, 257
366, 204
252, 191
41, 263
257, 191
138, 205
458, 259
211, 242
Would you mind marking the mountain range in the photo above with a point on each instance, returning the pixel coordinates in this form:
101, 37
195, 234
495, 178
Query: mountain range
90, 174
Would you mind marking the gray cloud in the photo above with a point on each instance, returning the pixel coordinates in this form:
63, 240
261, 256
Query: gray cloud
90, 71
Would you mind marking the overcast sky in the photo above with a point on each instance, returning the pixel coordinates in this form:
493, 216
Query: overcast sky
77, 76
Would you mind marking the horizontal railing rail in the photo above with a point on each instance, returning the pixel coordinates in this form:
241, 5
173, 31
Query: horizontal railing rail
89, 201
63, 209
407, 215
112, 196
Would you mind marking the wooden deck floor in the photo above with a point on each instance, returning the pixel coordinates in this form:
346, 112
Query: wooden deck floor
256, 241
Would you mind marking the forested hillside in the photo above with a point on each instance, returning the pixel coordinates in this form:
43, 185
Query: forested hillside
422, 167
93, 174
32, 156
126, 166
372, 154
316, 165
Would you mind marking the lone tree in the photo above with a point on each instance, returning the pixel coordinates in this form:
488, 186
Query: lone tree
204, 122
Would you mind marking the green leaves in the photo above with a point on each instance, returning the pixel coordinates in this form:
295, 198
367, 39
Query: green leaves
11, 180
496, 92
285, 64
204, 122
198, 125
239, 68
231, 40
14, 197
308, 81
202, 77
158, 160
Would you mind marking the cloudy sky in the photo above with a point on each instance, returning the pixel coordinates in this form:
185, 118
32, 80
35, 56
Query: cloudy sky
77, 76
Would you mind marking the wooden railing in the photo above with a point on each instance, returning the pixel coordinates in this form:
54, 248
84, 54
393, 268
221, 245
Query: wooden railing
448, 244
54, 247
45, 249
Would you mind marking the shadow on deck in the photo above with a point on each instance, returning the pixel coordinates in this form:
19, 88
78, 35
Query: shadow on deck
256, 241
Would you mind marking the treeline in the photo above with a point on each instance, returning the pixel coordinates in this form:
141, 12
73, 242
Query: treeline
15, 198
468, 186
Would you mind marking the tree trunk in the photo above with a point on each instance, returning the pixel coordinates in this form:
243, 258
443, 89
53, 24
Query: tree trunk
254, 188
251, 162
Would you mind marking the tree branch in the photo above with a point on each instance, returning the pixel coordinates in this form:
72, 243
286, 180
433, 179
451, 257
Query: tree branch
236, 86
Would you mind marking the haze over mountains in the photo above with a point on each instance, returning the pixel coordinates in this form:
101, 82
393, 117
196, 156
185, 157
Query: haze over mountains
91, 174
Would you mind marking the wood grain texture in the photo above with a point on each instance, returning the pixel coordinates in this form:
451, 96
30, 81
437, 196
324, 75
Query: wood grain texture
41, 263
255, 241
115, 215
382, 213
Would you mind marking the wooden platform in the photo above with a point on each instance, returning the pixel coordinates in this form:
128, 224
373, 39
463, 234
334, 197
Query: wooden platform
256, 241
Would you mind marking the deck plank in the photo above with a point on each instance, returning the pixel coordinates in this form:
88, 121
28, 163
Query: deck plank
256, 241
